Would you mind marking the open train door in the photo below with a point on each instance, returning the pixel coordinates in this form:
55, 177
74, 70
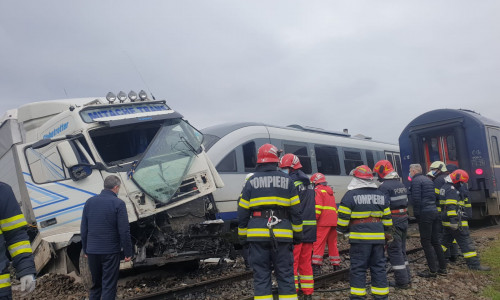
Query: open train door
440, 147
494, 199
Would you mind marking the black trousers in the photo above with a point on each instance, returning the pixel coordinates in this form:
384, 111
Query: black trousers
463, 239
363, 257
6, 297
105, 269
429, 225
263, 259
396, 250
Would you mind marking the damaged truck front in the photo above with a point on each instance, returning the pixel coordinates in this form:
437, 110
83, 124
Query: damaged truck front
56, 154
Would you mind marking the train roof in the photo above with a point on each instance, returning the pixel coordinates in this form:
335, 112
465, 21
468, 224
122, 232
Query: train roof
446, 114
224, 129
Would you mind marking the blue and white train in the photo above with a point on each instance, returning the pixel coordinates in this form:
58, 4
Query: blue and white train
233, 150
460, 137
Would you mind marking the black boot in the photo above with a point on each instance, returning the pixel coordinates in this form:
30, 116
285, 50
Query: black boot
316, 270
308, 297
336, 268
480, 268
427, 274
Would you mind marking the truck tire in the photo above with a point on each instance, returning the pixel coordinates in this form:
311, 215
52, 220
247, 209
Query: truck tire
85, 271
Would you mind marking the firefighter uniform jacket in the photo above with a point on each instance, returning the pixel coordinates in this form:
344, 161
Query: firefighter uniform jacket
326, 208
365, 214
13, 237
306, 194
269, 190
397, 194
456, 208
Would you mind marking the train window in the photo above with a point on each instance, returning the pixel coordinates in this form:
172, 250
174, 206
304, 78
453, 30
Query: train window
398, 166
496, 152
301, 152
352, 159
249, 156
327, 159
369, 158
452, 148
228, 163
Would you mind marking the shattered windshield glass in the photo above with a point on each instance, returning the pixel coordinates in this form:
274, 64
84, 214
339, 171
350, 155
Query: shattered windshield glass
167, 160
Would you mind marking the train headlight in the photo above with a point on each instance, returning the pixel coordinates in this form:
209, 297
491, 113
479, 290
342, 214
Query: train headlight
479, 171
142, 95
122, 96
132, 96
110, 97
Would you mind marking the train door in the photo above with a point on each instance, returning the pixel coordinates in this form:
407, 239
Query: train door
441, 147
395, 159
494, 145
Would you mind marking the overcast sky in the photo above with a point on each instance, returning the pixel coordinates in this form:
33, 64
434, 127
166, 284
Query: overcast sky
370, 66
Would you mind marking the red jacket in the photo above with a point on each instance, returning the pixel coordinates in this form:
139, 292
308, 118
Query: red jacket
326, 209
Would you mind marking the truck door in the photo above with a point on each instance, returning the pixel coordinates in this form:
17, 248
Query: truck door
440, 147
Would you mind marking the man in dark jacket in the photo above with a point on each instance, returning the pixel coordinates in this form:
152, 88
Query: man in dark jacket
423, 199
396, 192
13, 237
302, 264
269, 220
365, 216
105, 231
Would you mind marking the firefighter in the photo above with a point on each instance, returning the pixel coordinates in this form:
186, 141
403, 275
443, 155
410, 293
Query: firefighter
302, 267
269, 220
13, 237
440, 171
326, 216
397, 194
365, 217
456, 211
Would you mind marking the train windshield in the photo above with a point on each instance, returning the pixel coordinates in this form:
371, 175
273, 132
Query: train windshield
160, 171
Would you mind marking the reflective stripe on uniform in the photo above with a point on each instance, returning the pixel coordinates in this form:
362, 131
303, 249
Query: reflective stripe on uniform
366, 214
297, 228
13, 222
265, 297
297, 183
264, 232
288, 297
367, 235
401, 197
342, 222
450, 202
464, 223
451, 213
244, 203
19, 247
436, 191
444, 248
387, 211
344, 210
380, 291
470, 254
242, 231
309, 222
4, 280
358, 291
399, 267
261, 201
387, 222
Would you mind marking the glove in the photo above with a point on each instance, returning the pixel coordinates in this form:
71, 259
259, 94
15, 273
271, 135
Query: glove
28, 283
453, 226
343, 235
388, 238
297, 238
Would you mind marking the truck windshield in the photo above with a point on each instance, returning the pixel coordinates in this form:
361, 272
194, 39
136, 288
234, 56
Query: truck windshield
167, 160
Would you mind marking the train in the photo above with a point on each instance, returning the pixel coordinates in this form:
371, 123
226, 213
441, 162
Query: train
464, 138
232, 147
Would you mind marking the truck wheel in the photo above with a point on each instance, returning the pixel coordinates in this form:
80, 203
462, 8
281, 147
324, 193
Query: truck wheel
85, 271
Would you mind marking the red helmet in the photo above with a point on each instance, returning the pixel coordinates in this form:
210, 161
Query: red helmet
363, 172
383, 167
459, 176
291, 161
267, 154
318, 178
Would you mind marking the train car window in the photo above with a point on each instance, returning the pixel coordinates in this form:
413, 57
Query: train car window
388, 156
369, 158
301, 152
399, 168
496, 152
249, 156
452, 148
352, 159
228, 163
434, 150
327, 159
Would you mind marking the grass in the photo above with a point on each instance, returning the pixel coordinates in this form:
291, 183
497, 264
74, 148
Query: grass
491, 257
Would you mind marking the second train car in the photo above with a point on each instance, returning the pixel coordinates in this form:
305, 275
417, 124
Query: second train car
460, 137
233, 149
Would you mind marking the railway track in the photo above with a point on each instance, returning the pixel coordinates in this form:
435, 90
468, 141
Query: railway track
201, 287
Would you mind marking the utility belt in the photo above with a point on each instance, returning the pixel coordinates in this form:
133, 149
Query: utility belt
364, 220
402, 212
266, 213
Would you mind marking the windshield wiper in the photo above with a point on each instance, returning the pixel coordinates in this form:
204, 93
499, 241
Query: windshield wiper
186, 142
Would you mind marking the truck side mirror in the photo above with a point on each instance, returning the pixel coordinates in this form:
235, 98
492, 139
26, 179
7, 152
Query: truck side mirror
77, 169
